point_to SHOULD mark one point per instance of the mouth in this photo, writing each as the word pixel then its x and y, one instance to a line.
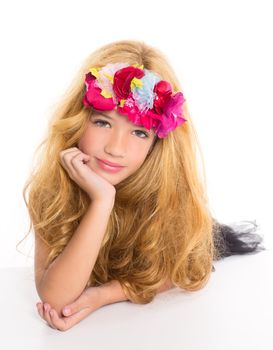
pixel 110 163
pixel 103 165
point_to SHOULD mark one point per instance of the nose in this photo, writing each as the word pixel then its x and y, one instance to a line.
pixel 116 145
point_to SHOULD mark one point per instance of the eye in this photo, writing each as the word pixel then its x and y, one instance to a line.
pixel 144 133
pixel 103 122
pixel 100 121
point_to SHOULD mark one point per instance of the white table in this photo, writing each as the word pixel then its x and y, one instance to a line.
pixel 234 311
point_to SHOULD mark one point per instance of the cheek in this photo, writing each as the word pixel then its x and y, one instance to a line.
pixel 79 144
pixel 87 141
pixel 82 145
pixel 138 157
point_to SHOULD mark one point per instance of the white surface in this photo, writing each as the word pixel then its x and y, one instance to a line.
pixel 234 311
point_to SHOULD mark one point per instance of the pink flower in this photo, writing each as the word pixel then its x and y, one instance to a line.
pixel 130 109
pixel 172 115
pixel 93 95
pixel 133 113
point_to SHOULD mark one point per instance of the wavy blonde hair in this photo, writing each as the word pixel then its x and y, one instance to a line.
pixel 162 228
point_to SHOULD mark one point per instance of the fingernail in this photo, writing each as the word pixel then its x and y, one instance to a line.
pixel 66 311
pixel 51 312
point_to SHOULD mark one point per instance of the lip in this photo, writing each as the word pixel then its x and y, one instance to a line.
pixel 109 168
pixel 110 163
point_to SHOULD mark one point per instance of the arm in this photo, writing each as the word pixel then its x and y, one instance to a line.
pixel 67 276
pixel 165 286
pixel 91 299
pixel 112 291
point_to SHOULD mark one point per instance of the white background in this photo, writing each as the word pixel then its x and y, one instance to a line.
pixel 221 52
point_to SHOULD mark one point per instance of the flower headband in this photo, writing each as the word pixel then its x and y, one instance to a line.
pixel 136 92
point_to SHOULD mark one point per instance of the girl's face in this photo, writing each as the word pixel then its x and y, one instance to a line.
pixel 113 137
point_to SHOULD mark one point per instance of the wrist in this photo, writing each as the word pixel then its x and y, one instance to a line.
pixel 165 286
pixel 104 204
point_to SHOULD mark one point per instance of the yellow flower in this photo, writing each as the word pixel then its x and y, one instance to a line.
pixel 121 103
pixel 135 83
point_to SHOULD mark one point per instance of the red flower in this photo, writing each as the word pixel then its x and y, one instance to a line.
pixel 163 91
pixel 122 81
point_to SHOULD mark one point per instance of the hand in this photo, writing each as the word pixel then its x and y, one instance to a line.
pixel 90 300
pixel 74 162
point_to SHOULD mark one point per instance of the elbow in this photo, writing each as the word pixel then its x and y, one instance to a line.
pixel 58 307
pixel 49 297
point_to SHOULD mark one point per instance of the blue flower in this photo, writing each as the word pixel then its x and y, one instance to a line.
pixel 144 95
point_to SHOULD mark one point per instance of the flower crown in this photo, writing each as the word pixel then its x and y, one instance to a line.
pixel 136 92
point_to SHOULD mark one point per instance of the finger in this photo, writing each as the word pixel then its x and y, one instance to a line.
pixel 40 310
pixel 59 323
pixel 67 311
pixel 67 164
pixel 56 320
pixel 47 316
pixel 76 305
pixel 65 156
pixel 78 159
pixel 65 323
pixel 67 167
pixel 69 151
pixel 70 309
pixel 76 317
pixel 71 162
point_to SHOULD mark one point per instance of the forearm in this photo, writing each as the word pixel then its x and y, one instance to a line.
pixel 112 291
pixel 68 275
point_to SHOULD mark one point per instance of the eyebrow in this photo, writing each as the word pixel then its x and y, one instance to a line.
pixel 108 117
pixel 105 115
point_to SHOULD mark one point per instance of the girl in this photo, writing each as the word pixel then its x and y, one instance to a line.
pixel 118 207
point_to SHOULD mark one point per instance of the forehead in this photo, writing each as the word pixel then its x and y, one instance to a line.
pixel 108 114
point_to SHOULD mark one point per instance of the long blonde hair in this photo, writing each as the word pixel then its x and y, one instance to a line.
pixel 162 228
